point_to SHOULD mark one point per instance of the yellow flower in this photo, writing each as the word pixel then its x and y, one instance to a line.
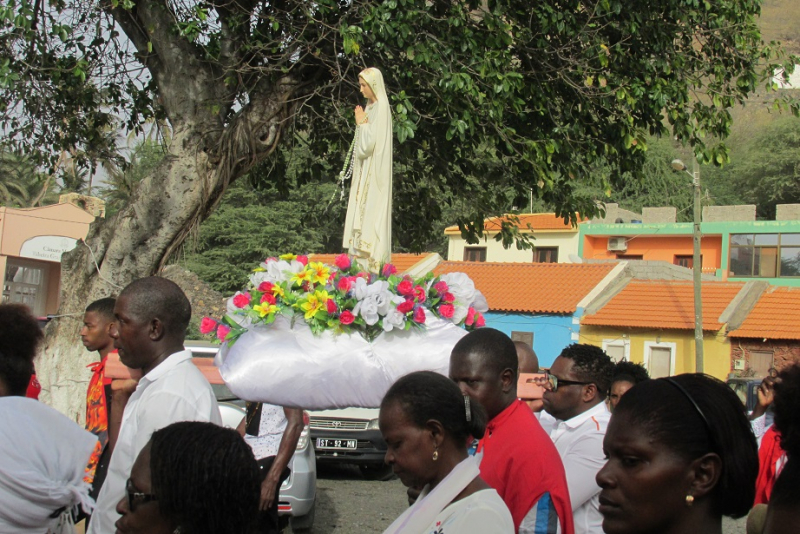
pixel 278 291
pixel 288 257
pixel 265 308
pixel 303 276
pixel 319 272
pixel 314 303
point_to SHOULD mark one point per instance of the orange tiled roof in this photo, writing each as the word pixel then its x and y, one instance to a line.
pixel 537 221
pixel 664 304
pixel 402 260
pixel 531 287
pixel 776 315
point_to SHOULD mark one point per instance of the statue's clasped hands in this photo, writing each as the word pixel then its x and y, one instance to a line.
pixel 361 115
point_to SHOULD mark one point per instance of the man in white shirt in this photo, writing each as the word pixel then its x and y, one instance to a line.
pixel 575 392
pixel 152 315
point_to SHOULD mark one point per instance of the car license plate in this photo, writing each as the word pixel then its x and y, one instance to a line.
pixel 326 443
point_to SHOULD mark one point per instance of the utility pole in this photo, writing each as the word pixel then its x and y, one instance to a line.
pixel 697 267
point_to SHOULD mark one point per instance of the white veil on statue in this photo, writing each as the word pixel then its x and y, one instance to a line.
pixel 368 226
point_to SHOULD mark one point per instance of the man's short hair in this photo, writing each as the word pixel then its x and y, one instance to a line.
pixel 156 297
pixel 493 346
pixel 526 353
pixel 103 307
pixel 590 364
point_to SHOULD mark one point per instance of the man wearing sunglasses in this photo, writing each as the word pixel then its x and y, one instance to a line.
pixel 575 389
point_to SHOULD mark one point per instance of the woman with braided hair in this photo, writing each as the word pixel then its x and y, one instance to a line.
pixel 191 478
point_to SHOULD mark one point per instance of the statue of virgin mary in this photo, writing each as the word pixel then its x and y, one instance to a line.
pixel 368 226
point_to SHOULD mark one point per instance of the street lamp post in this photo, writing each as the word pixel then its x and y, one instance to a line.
pixel 697 267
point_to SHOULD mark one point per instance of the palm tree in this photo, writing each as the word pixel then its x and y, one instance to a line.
pixel 22 185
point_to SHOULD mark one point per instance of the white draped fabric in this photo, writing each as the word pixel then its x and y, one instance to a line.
pixel 429 504
pixel 368 225
pixel 290 366
pixel 43 457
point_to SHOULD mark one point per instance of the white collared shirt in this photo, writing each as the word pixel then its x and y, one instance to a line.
pixel 175 390
pixel 580 443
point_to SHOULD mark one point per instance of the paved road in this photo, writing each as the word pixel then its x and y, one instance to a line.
pixel 346 503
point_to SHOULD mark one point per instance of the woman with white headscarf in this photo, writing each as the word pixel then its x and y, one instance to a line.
pixel 43 454
pixel 368 226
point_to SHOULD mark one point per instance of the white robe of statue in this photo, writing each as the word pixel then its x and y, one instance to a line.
pixel 368 226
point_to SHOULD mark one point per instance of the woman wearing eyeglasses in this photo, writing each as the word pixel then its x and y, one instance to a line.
pixel 191 478
pixel 681 456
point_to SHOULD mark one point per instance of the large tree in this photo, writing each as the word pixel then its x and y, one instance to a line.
pixel 546 90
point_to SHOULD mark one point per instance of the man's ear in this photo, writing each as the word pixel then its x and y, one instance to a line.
pixel 157 330
pixel 590 393
pixel 705 472
pixel 508 378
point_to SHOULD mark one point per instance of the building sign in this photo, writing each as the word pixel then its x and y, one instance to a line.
pixel 47 247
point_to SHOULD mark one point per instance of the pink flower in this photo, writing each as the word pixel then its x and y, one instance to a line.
pixel 343 262
pixel 470 316
pixel 271 258
pixel 222 331
pixel 265 286
pixel 480 322
pixel 345 283
pixel 440 287
pixel 419 315
pixel 207 325
pixel 240 300
pixel 447 311
pixel 331 306
pixel 405 307
pixel 419 293
pixel 347 317
pixel 302 259
pixel 448 298
pixel 405 288
pixel 268 297
pixel 389 270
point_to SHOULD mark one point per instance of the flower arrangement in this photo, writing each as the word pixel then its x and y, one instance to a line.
pixel 343 298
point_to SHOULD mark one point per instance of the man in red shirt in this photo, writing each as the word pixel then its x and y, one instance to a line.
pixel 519 459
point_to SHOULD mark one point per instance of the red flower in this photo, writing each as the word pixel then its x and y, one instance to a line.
pixel 419 293
pixel 268 297
pixel 448 298
pixel 389 270
pixel 241 300
pixel 345 283
pixel 343 262
pixel 331 306
pixel 480 322
pixel 346 317
pixel 405 307
pixel 470 316
pixel 447 311
pixel 405 288
pixel 265 286
pixel 419 315
pixel 207 325
pixel 302 259
pixel 440 287
pixel 222 331
pixel 271 258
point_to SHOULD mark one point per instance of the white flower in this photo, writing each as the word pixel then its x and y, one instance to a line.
pixel 463 289
pixel 362 290
pixel 368 309
pixel 393 319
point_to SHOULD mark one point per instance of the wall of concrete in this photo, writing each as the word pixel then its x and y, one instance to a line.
pixel 566 241
pixel 551 333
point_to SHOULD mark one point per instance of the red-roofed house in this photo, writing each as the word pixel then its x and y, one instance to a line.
pixel 770 334
pixel 555 240
pixel 538 303
pixel 652 322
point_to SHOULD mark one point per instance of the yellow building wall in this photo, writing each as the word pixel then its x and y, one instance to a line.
pixel 716 346
pixel 566 240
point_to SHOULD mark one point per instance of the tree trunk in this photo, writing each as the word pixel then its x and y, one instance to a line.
pixel 138 241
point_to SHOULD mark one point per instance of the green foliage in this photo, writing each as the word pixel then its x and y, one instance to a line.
pixel 22 184
pixel 490 103
pixel 767 172
pixel 251 225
